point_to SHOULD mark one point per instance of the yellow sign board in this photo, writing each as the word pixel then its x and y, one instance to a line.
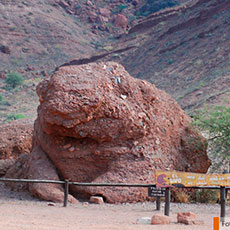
pixel 184 179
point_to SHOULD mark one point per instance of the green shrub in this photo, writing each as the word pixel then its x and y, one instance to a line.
pixel 182 195
pixel 14 79
pixel 214 121
pixel 206 196
pixel 13 117
pixel 1 97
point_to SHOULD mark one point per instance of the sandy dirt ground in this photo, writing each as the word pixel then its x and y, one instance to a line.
pixel 19 211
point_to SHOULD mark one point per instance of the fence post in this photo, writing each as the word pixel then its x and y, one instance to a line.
pixel 158 203
pixel 222 203
pixel 167 201
pixel 66 193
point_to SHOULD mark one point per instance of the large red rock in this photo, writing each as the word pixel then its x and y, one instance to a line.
pixel 98 124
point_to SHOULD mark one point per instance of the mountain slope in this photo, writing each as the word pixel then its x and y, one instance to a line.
pixel 184 50
pixel 40 33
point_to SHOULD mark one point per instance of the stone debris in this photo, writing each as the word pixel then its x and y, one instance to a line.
pixel 158 219
pixel 188 218
pixel 144 220
pixel 96 199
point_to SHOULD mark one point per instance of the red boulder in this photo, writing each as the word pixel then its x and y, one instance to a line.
pixel 98 124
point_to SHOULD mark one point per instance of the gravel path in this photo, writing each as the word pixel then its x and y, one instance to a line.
pixel 19 211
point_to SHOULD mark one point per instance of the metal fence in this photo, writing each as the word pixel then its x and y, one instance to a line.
pixel 66 183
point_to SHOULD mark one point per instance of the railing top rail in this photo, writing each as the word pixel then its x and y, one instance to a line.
pixel 31 181
pixel 97 184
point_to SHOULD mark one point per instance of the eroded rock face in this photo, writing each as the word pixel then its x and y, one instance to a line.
pixel 37 166
pixel 98 124
pixel 15 138
pixel 5 165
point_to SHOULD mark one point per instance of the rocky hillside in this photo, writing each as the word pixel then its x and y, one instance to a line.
pixel 36 36
pixel 40 33
pixel 183 49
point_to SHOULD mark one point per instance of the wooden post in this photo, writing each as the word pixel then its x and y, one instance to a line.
pixel 66 193
pixel 222 203
pixel 158 203
pixel 167 201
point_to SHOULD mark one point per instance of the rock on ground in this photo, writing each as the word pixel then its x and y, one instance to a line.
pixel 144 220
pixel 188 218
pixel 120 21
pixel 158 219
pixel 98 124
pixel 96 199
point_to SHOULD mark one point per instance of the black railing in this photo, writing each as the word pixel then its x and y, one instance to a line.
pixel 67 183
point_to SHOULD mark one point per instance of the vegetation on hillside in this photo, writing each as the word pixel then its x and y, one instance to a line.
pixel 152 6
pixel 13 117
pixel 14 79
pixel 215 122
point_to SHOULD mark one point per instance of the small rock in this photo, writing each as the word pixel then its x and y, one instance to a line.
pixel 188 218
pixel 123 96
pixel 86 203
pixel 96 199
pixel 120 21
pixel 67 146
pixel 51 204
pixel 71 149
pixel 160 219
pixel 144 220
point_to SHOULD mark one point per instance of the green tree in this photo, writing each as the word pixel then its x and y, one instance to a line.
pixel 215 124
pixel 14 79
